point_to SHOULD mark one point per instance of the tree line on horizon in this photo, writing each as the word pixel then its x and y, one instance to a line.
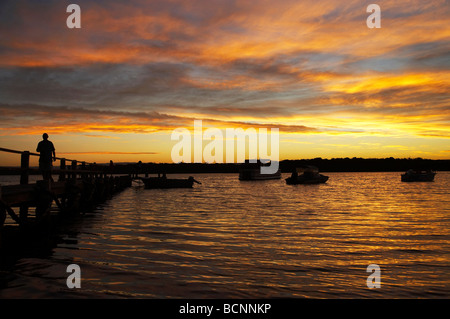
pixel 355 164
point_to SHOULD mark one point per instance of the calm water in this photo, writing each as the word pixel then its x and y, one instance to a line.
pixel 232 239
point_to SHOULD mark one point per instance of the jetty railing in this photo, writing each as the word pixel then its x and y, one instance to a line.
pixel 76 168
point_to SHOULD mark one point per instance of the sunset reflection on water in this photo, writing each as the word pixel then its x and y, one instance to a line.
pixel 227 238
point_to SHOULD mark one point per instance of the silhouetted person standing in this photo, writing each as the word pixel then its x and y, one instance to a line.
pixel 46 149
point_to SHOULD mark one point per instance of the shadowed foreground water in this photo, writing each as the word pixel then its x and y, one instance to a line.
pixel 232 239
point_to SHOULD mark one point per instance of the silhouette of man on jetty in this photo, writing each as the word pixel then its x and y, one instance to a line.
pixel 46 150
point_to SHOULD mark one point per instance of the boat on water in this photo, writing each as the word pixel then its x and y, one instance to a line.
pixel 164 182
pixel 309 175
pixel 418 176
pixel 252 172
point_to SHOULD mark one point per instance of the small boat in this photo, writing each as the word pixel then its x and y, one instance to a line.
pixel 252 172
pixel 310 175
pixel 418 176
pixel 164 182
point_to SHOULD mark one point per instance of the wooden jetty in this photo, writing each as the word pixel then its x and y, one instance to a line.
pixel 80 186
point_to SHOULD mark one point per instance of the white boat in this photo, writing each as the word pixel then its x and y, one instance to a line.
pixel 252 172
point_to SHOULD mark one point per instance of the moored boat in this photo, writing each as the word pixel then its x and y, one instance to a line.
pixel 164 182
pixel 252 172
pixel 310 175
pixel 418 176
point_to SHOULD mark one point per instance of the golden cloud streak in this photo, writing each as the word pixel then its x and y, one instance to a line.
pixel 376 82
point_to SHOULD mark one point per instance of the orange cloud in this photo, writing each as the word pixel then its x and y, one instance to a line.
pixel 143 33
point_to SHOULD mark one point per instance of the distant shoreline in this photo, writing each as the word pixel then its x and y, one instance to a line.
pixel 286 166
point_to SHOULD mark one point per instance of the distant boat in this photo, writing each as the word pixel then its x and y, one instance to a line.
pixel 310 175
pixel 418 176
pixel 252 172
pixel 164 182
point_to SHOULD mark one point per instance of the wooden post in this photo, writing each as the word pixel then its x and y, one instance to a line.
pixel 24 167
pixel 2 218
pixel 62 167
pixel 74 168
pixel 23 214
pixel 44 202
pixel 24 174
pixel 83 170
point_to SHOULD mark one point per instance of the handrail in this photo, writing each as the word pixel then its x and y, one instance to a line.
pixel 2 149
pixel 10 151
pixel 71 170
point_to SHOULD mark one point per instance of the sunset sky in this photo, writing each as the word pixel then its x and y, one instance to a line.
pixel 136 70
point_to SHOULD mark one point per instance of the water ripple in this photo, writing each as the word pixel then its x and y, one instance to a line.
pixel 227 238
